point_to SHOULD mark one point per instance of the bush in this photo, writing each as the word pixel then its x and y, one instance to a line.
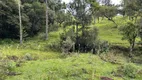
pixel 28 56
pixel 101 47
pixel 55 46
pixel 129 70
pixel 67 45
pixel 6 41
pixel 53 27
pixel 87 41
pixel 6 68
pixel 2 72
pixel 67 40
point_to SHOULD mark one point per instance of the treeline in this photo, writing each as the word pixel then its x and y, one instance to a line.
pixel 77 12
pixel 33 13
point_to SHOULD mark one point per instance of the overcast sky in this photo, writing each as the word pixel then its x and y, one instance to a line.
pixel 113 1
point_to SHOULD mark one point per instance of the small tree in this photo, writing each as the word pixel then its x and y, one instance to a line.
pixel 130 32
pixel 109 12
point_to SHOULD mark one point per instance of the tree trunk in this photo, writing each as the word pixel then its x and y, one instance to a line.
pixel 20 23
pixel 76 29
pixel 46 35
pixel 98 19
pixel 114 22
pixel 110 19
pixel 131 48
pixel 83 26
pixel 77 45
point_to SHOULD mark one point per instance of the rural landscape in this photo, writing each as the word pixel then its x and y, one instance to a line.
pixel 70 40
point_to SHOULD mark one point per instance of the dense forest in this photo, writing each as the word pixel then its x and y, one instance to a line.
pixel 79 40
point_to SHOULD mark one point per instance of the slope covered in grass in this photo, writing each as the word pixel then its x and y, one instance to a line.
pixel 45 64
pixel 76 67
pixel 109 32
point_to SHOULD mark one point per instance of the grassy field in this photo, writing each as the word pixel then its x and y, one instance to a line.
pixel 38 62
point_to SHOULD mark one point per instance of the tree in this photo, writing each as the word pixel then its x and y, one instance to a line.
pixel 61 17
pixel 9 22
pixel 104 9
pixel 33 17
pixel 81 12
pixel 109 12
pixel 130 32
pixel 46 35
pixel 94 9
pixel 20 23
pixel 35 12
pixel 132 8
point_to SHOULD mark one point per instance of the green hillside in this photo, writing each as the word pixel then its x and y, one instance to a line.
pixel 38 62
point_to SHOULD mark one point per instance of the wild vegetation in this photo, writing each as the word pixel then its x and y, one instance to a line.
pixel 80 40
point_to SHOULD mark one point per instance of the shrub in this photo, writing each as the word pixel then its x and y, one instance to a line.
pixel 67 40
pixel 6 41
pixel 129 70
pixel 28 57
pixel 67 45
pixel 53 27
pixel 87 41
pixel 2 72
pixel 6 68
pixel 101 47
pixel 55 46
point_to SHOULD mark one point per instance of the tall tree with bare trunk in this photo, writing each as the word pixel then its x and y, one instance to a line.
pixel 20 22
pixel 46 34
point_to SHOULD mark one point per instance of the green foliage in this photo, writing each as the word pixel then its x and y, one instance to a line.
pixel 28 57
pixel 9 24
pixel 108 11
pixel 36 14
pixel 101 47
pixel 77 67
pixel 140 31
pixel 88 40
pixel 6 68
pixel 67 45
pixel 81 12
pixel 130 70
pixel 33 17
pixel 55 46
pixel 2 71
pixel 129 32
pixel 132 9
